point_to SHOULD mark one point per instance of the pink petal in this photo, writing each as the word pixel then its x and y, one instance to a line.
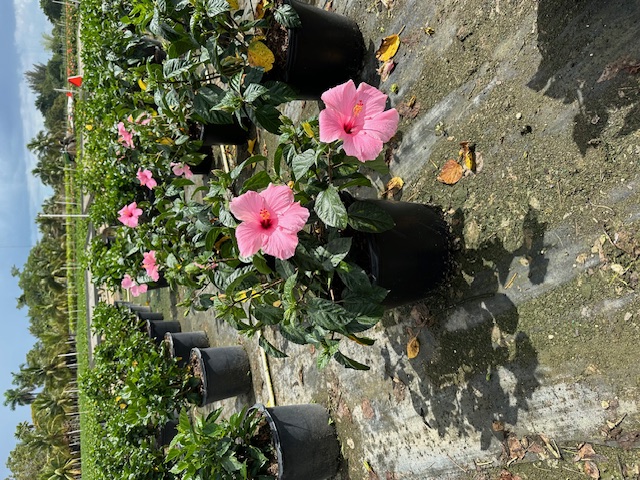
pixel 250 237
pixel 341 98
pixel 383 126
pixel 373 100
pixel 127 282
pixel 362 146
pixel 294 218
pixel 331 125
pixel 281 244
pixel 277 197
pixel 247 206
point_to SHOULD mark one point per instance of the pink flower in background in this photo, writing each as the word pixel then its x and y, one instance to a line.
pixel 150 265
pixel 138 290
pixel 127 282
pixel 129 215
pixel 146 178
pixel 134 289
pixel 358 118
pixel 181 169
pixel 271 221
pixel 124 136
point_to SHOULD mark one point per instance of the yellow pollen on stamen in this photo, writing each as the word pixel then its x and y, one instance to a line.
pixel 265 218
pixel 357 108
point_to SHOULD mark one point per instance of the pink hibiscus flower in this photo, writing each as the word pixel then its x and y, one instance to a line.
pixel 146 178
pixel 271 221
pixel 129 215
pixel 358 118
pixel 124 136
pixel 150 265
pixel 181 169
pixel 134 289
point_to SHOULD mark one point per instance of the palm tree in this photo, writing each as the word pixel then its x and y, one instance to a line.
pixel 18 396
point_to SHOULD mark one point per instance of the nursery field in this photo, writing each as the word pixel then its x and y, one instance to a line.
pixel 519 122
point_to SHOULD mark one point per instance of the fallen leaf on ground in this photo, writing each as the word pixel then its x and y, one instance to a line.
pixel 388 3
pixel 591 469
pixel 507 475
pixel 393 186
pixel 451 172
pixel 622 64
pixel 388 48
pixel 413 347
pixel 585 452
pixel 385 70
pixel 409 109
pixel 329 6
pixel 467 156
pixel 516 451
pixel 260 9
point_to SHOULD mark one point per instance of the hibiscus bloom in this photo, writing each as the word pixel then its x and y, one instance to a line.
pixel 150 265
pixel 134 289
pixel 146 178
pixel 358 118
pixel 271 221
pixel 124 136
pixel 181 169
pixel 129 215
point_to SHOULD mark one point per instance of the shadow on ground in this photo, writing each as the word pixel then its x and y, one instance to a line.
pixel 588 56
pixel 468 347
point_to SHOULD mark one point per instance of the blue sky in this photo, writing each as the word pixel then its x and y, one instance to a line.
pixel 21 26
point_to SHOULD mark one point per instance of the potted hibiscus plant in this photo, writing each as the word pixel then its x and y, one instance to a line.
pixel 292 249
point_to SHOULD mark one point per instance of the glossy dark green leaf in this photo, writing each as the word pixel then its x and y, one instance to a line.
pixel 330 208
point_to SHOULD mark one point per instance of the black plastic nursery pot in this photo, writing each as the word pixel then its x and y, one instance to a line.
pixel 158 328
pixel 166 433
pixel 410 260
pixel 133 307
pixel 179 344
pixel 149 315
pixel 304 440
pixel 224 372
pixel 326 50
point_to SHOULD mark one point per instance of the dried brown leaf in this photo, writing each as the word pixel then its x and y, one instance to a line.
pixel 516 451
pixel 591 469
pixel 413 347
pixel 585 452
pixel 393 186
pixel 467 156
pixel 451 172
pixel 507 475
pixel 409 109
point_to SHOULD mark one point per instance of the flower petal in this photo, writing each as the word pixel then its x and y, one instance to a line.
pixel 373 100
pixel 362 146
pixel 341 98
pixel 332 125
pixel 294 218
pixel 247 206
pixel 281 244
pixel 250 237
pixel 382 126
pixel 278 198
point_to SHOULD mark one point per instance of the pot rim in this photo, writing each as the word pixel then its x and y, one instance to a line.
pixel 275 435
pixel 195 352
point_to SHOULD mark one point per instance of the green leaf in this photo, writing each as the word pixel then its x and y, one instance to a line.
pixel 270 349
pixel 302 162
pixel 287 16
pixel 268 314
pixel 330 208
pixel 261 264
pixel 378 165
pixel 216 7
pixel 268 117
pixel 328 314
pixel 369 217
pixel 334 252
pixel 253 92
pixel 257 181
pixel 349 362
